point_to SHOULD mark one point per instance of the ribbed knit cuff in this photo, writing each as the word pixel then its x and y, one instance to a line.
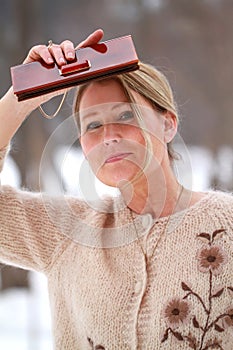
pixel 3 153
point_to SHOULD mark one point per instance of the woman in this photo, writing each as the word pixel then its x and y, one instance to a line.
pixel 152 270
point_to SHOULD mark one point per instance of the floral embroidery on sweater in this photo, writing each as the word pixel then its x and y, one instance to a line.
pixel 211 259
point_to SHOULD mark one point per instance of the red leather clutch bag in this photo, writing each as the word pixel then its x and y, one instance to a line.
pixel 100 60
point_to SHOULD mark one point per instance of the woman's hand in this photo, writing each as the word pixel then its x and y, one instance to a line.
pixel 12 112
pixel 61 53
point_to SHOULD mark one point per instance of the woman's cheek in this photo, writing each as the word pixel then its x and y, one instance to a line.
pixel 91 147
pixel 88 143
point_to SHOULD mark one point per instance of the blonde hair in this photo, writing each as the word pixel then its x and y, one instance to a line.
pixel 150 83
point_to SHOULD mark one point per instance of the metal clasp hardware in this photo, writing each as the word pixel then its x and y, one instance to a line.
pixel 74 67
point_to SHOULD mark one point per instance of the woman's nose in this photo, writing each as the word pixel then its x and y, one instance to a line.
pixel 111 134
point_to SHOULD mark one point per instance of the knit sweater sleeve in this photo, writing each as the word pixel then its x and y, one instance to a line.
pixel 29 238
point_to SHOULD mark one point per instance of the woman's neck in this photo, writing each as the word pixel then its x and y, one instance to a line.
pixel 156 193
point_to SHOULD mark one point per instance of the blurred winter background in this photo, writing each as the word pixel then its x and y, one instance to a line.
pixel 190 41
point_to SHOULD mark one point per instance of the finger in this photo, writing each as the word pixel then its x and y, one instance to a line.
pixel 68 49
pixel 92 39
pixel 57 53
pixel 37 53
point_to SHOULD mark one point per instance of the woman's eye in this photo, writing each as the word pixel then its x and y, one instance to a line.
pixel 93 126
pixel 127 115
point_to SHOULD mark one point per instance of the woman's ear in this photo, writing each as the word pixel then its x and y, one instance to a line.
pixel 170 126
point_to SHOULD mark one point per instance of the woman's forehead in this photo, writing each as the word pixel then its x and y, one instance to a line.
pixel 108 91
pixel 102 92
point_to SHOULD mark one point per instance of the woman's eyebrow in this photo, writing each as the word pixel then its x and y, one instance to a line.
pixel 94 113
pixel 120 104
pixel 87 115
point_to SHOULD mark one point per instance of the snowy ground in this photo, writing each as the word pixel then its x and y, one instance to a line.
pixel 24 315
pixel 25 322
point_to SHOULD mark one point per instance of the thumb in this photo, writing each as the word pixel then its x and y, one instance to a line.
pixel 92 39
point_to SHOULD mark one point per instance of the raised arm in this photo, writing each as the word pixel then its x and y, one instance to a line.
pixel 31 236
pixel 12 112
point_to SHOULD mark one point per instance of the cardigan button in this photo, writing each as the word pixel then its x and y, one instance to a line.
pixel 147 221
pixel 138 287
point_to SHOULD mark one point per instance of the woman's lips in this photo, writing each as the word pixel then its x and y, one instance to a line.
pixel 117 157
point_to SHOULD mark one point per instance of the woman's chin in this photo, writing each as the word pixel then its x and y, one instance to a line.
pixel 116 178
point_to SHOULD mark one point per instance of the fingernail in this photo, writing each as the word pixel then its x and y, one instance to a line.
pixel 61 60
pixel 70 55
pixel 50 60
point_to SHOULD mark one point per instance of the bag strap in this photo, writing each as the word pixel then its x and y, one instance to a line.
pixel 47 116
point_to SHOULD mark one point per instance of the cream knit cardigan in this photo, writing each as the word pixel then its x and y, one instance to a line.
pixel 103 294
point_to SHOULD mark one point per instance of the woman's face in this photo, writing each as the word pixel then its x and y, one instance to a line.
pixel 111 138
